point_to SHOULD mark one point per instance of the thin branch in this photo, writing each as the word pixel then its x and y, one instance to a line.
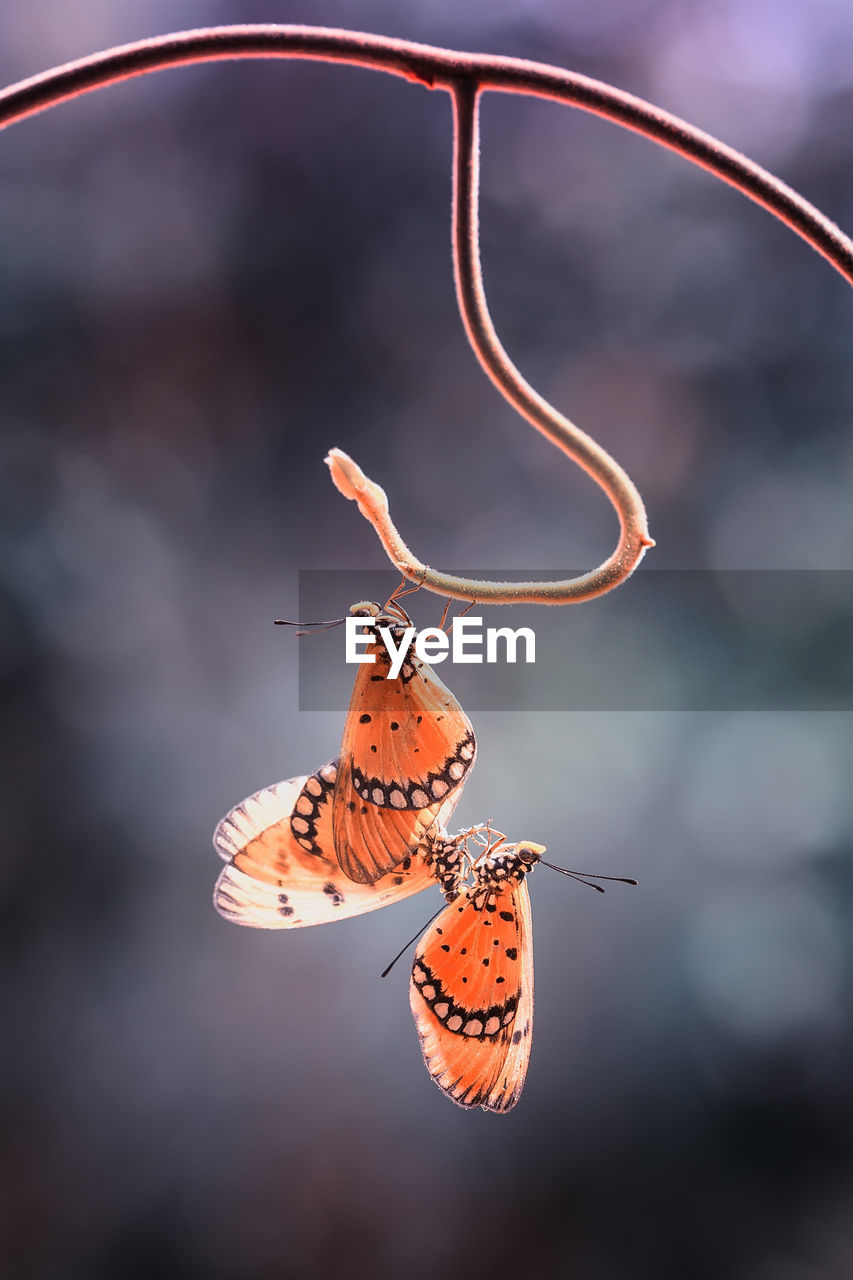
pixel 436 68
pixel 372 500
pixel 464 76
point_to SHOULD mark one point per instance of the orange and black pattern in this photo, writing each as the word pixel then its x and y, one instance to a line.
pixel 406 752
pixel 471 989
pixel 273 881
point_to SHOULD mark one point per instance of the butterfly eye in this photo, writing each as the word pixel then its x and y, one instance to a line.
pixel 529 853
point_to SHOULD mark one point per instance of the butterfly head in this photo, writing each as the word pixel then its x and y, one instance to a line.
pixel 528 853
pixel 393 616
pixel 508 863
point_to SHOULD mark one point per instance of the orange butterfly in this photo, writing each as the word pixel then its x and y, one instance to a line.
pixel 282 872
pixel 406 752
pixel 471 990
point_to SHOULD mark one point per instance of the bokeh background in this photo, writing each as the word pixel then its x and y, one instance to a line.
pixel 209 277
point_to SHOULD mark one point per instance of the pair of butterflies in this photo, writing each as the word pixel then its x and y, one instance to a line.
pixel 370 829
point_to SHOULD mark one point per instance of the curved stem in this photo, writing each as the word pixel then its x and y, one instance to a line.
pixel 464 76
pixel 634 536
pixel 372 500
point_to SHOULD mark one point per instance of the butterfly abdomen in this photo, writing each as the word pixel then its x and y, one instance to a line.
pixel 443 856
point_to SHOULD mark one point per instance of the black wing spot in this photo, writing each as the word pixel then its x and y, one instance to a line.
pixel 445 947
pixel 394 725
pixel 505 915
pixel 372 748
pixel 516 1037
pixel 512 953
pixel 485 962
pixel 332 891
pixel 365 719
pixel 419 719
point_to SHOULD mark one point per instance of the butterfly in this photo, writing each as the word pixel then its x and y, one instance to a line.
pixel 471 989
pixel 407 749
pixel 282 872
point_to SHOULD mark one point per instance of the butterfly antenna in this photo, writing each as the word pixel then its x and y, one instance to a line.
pixel 309 628
pixel 403 950
pixel 587 877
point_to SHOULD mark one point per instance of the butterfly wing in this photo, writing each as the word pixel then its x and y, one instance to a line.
pixel 407 748
pixel 471 995
pixel 273 880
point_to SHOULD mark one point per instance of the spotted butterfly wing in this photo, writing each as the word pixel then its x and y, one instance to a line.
pixel 282 872
pixel 407 749
pixel 471 991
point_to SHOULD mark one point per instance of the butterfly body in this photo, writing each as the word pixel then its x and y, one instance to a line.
pixel 471 991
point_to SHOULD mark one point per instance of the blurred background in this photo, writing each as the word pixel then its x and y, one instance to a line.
pixel 207 278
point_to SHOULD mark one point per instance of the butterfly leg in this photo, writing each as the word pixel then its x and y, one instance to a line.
pixel 461 614
pixel 403 589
